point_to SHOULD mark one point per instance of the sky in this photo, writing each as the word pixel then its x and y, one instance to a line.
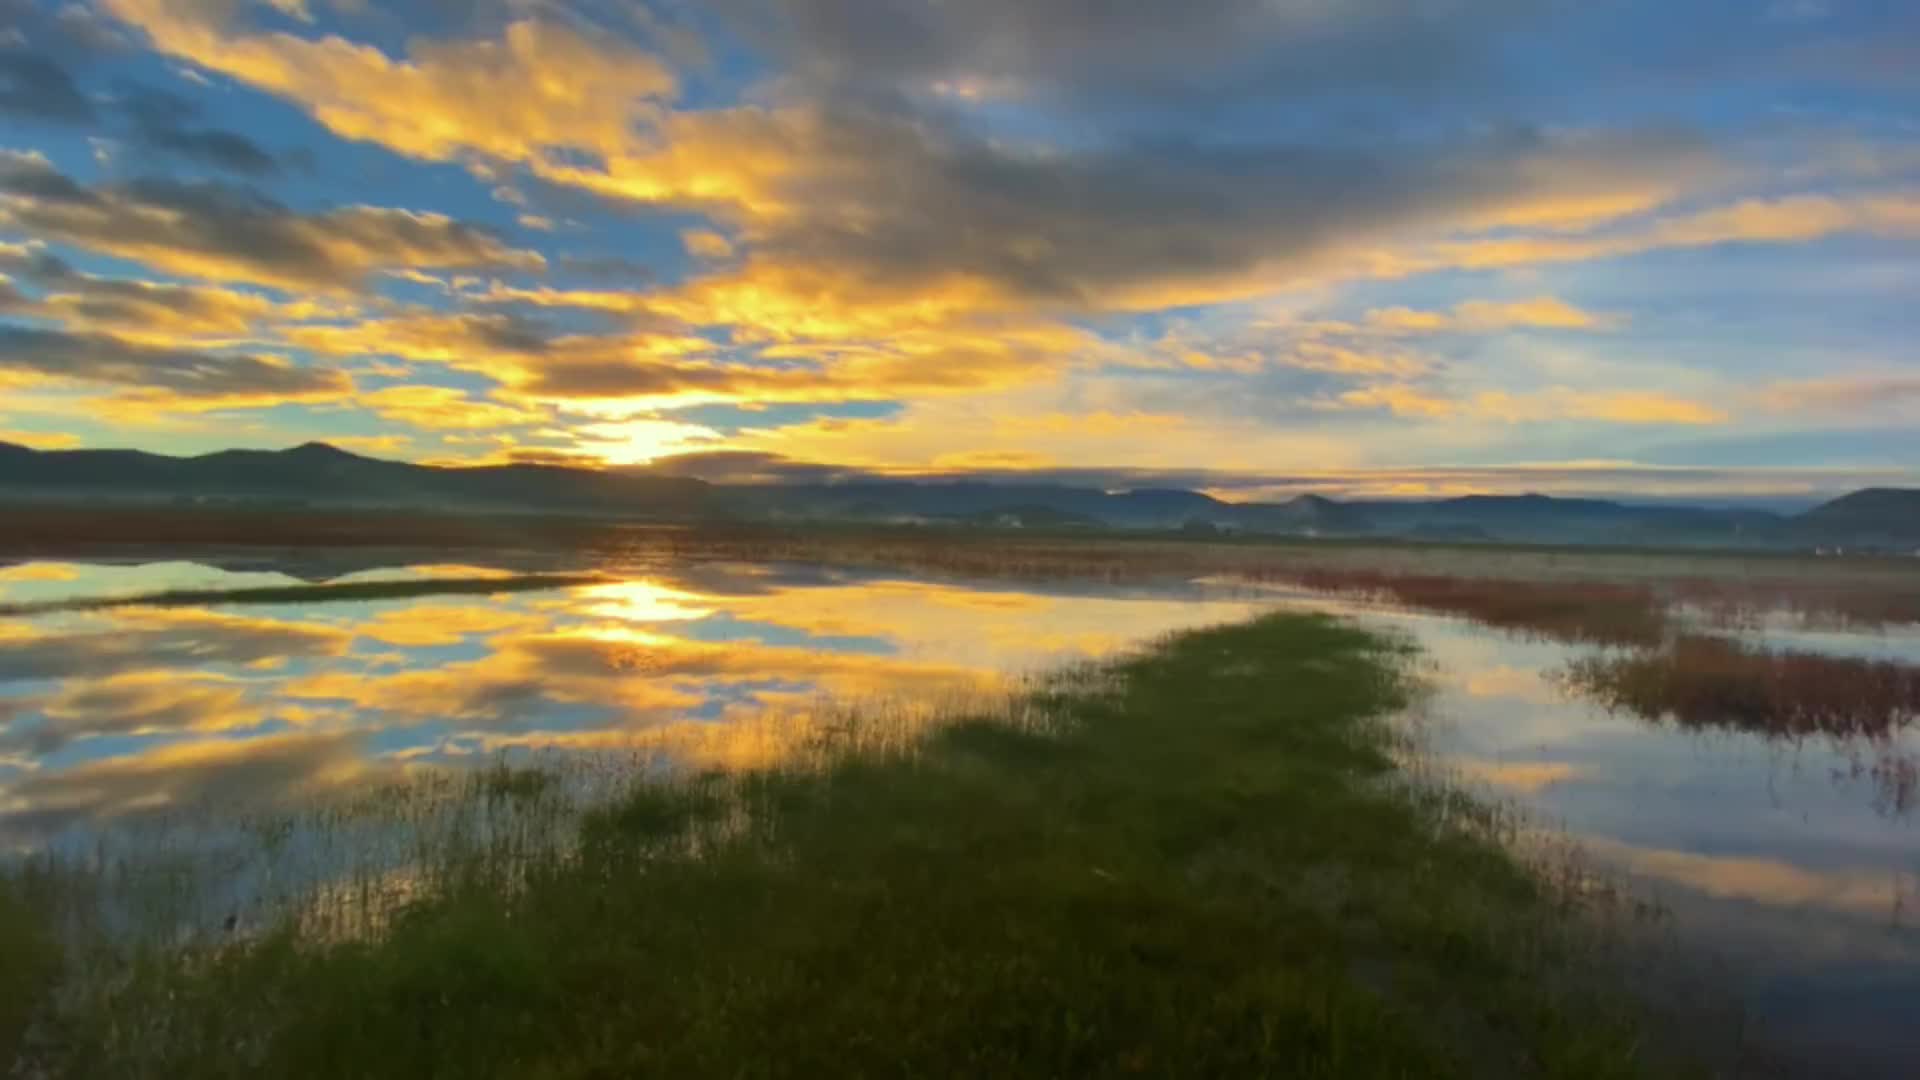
pixel 1359 247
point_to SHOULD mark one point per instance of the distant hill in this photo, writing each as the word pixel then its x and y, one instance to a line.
pixel 1871 515
pixel 319 475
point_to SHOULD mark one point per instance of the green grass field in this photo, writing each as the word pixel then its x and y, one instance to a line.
pixel 1201 860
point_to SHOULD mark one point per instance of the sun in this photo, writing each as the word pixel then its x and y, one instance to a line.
pixel 643 440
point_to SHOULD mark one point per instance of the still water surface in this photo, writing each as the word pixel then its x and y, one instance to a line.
pixel 1791 857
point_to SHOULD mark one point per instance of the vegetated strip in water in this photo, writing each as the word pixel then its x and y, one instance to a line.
pixel 1712 682
pixel 1569 611
pixel 1198 860
pixel 321 593
pixel 1703 683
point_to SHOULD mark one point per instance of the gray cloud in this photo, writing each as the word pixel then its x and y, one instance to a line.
pixel 1141 51
pixel 60 28
pixel 164 122
pixel 215 230
pixel 117 302
pixel 900 201
pixel 211 377
pixel 607 268
pixel 1307 60
pixel 34 87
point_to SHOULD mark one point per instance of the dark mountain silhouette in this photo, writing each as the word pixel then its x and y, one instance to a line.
pixel 319 475
pixel 1871 515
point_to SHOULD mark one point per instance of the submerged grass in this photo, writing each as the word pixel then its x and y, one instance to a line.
pixel 1198 861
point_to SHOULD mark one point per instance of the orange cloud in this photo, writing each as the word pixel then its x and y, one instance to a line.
pixel 1841 393
pixel 40 440
pixel 1794 219
pixel 1399 399
pixel 1618 407
pixel 1481 316
pixel 706 243
pixel 542 86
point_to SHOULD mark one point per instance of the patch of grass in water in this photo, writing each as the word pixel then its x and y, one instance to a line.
pixel 1195 862
pixel 1705 682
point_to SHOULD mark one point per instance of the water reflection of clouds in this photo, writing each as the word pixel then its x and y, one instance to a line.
pixel 95 646
pixel 219 775
pixel 43 581
pixel 1874 893
pixel 138 709
pixel 133 703
pixel 419 626
pixel 1523 777
pixel 1736 814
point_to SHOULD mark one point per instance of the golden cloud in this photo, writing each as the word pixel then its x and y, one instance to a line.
pixel 40 440
pixel 442 408
pixel 221 233
pixel 541 86
pixel 1794 219
pixel 1559 403
pixel 1482 316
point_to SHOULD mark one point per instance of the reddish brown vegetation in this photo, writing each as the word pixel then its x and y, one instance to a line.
pixel 1738 603
pixel 1711 682
pixel 1570 611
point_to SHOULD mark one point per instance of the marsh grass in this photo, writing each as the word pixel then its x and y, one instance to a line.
pixel 1197 860
pixel 29 965
pixel 1575 612
pixel 1705 682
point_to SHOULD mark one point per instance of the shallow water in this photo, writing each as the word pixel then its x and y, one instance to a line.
pixel 1789 864
pixel 128 712
pixel 1790 856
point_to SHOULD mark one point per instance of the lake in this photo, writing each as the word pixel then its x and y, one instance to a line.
pixel 1749 765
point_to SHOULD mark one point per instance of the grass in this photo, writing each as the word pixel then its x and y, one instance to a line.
pixel 1197 861
pixel 29 963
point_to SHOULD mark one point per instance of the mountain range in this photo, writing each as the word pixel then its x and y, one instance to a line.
pixel 322 476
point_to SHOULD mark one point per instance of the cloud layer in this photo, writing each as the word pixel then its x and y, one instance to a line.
pixel 905 233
